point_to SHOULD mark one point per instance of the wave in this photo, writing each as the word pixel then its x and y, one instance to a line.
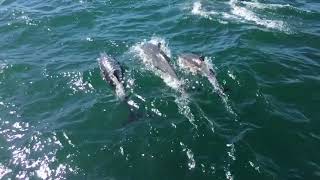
pixel 237 13
pixel 259 5
pixel 248 15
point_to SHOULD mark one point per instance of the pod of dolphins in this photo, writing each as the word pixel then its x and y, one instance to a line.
pixel 112 72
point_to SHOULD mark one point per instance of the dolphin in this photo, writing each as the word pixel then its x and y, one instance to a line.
pixel 112 73
pixel 197 65
pixel 158 59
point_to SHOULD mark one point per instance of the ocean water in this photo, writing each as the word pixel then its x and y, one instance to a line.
pixel 60 120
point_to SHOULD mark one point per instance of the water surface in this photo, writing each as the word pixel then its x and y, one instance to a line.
pixel 60 120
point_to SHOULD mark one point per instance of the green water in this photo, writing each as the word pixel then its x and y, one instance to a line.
pixel 60 120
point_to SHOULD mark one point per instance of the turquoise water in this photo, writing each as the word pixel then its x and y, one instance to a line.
pixel 60 120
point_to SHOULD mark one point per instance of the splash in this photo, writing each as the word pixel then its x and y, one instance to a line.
pixel 169 80
pixel 164 47
pixel 190 155
pixel 120 92
pixel 198 10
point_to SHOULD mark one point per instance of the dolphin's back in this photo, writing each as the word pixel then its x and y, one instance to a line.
pixel 109 66
pixel 158 59
pixel 194 62
pixel 190 57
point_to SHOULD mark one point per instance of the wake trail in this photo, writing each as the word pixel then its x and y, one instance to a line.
pixel 183 103
pixel 217 88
